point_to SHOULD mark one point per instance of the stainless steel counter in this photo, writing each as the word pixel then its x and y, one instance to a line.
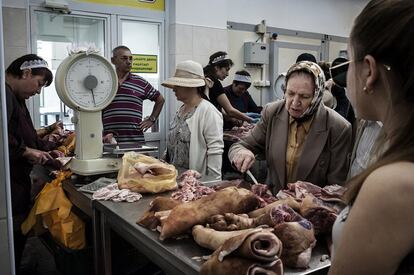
pixel 173 256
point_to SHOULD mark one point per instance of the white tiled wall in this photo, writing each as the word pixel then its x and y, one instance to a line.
pixel 15 34
pixel 195 42
pixel 192 43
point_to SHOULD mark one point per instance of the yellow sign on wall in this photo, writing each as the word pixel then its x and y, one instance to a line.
pixel 142 63
pixel 140 4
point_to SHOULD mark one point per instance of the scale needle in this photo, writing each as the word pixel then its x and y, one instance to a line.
pixel 93 98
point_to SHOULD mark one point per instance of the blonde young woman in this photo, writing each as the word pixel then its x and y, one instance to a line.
pixel 195 137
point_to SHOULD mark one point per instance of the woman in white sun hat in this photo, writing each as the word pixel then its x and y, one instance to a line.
pixel 195 138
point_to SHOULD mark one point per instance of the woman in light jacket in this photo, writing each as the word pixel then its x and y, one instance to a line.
pixel 195 137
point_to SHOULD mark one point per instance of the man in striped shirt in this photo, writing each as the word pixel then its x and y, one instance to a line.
pixel 123 117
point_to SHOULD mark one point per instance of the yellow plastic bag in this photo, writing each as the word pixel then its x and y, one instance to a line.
pixel 54 208
pixel 144 174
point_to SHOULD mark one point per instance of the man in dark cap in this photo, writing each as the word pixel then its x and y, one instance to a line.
pixel 306 57
pixel 343 106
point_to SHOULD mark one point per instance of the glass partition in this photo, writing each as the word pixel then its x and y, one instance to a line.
pixel 55 34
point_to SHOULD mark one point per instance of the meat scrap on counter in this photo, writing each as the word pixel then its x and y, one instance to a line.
pixel 283 227
pixel 319 205
pixel 149 220
pixel 65 144
pixel 320 213
pixel 295 232
pixel 189 173
pixel 237 265
pixel 297 236
pixel 113 193
pixel 239 183
pixel 264 194
pixel 190 188
pixel 249 251
pixel 300 189
pixel 256 243
pixel 56 134
pixel 184 216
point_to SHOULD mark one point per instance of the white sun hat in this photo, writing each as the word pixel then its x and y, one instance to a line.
pixel 187 74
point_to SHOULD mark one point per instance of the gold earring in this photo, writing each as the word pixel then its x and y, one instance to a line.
pixel 365 89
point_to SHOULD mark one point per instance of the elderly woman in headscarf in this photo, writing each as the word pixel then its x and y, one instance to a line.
pixel 299 137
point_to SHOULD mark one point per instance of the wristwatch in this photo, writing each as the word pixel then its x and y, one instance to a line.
pixel 152 118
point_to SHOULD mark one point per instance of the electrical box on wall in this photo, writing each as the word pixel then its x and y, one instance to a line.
pixel 256 53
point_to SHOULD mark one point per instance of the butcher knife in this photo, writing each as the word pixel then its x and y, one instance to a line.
pixel 252 177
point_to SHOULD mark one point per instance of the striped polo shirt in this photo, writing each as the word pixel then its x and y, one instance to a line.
pixel 124 114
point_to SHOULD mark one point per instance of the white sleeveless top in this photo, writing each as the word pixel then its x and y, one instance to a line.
pixel 407 265
pixel 337 229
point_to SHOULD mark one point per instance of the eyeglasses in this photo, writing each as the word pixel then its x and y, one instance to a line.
pixel 338 73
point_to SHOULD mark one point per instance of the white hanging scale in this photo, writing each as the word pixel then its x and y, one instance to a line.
pixel 87 83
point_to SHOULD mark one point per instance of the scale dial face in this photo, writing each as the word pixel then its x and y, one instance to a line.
pixel 86 82
pixel 278 86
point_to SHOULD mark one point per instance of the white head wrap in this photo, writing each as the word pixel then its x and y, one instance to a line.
pixel 242 78
pixel 31 64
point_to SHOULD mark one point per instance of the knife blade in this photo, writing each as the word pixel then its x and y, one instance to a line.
pixel 252 177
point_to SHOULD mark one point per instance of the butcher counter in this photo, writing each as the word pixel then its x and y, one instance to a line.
pixel 173 256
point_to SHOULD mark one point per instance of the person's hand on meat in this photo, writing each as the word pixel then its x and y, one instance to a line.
pixel 243 160
pixel 56 154
pixel 36 156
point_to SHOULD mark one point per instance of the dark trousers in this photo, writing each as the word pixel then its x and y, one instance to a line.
pixel 19 244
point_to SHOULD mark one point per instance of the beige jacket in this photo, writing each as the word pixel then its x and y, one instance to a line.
pixel 325 155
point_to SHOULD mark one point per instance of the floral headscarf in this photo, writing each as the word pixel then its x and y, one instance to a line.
pixel 319 78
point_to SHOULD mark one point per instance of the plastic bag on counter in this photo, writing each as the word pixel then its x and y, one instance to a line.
pixel 145 174
pixel 54 210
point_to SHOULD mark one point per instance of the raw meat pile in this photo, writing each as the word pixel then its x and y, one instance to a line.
pixel 264 194
pixel 64 140
pixel 190 188
pixel 234 222
pixel 299 189
pixel 113 193
pixel 319 205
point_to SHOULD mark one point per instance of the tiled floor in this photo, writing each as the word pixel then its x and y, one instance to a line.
pixel 36 259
